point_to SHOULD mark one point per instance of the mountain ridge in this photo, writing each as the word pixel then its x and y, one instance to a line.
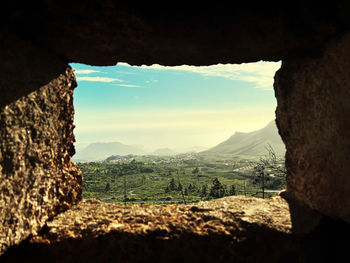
pixel 240 143
pixel 251 143
pixel 102 150
pixel 163 151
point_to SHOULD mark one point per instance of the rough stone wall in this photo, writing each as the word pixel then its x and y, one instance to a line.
pixel 231 229
pixel 38 38
pixel 104 32
pixel 37 178
pixel 313 95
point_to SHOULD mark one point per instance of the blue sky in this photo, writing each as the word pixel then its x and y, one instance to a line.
pixel 177 107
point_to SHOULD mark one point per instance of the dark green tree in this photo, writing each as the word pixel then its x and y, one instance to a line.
pixel 179 187
pixel 190 187
pixel 172 185
pixel 204 191
pixel 107 188
pixel 217 190
pixel 195 170
pixel 233 190
pixel 186 191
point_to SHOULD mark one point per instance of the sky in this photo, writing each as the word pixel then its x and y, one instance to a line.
pixel 176 107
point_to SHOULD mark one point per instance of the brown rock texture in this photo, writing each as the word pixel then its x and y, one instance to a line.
pixel 313 95
pixel 105 32
pixel 231 229
pixel 37 178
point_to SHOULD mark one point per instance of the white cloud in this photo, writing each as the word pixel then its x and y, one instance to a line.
pixel 85 71
pixel 125 72
pixel 149 81
pixel 98 79
pixel 261 73
pixel 127 85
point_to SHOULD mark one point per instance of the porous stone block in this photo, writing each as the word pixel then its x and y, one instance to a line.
pixel 231 229
pixel 37 178
pixel 313 94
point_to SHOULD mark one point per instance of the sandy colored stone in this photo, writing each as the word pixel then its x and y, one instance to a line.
pixel 223 215
pixel 239 229
pixel 37 178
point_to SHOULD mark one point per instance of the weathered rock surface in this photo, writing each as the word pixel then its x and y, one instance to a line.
pixel 37 178
pixel 39 38
pixel 231 229
pixel 105 32
pixel 313 95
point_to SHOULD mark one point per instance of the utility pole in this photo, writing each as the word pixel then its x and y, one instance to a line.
pixel 245 193
pixel 263 184
pixel 125 196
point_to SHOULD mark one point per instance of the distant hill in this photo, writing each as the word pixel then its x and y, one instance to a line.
pixel 251 143
pixel 101 150
pixel 164 152
pixel 196 149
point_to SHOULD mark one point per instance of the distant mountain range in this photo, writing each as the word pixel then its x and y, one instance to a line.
pixel 168 151
pixel 164 151
pixel 251 143
pixel 196 149
pixel 101 150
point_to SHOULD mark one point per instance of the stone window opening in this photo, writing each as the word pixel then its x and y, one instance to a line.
pixel 121 111
pixel 42 217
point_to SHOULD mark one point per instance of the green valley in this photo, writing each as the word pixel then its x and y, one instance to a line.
pixel 183 178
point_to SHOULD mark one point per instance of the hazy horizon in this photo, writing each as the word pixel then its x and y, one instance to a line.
pixel 172 107
pixel 149 149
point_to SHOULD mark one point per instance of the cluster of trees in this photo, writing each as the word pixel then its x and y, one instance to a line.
pixel 216 190
pixel 220 190
pixel 115 169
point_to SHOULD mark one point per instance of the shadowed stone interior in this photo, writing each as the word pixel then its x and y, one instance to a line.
pixel 40 38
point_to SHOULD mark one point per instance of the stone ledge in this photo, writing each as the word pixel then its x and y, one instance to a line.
pixel 242 229
pixel 225 215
